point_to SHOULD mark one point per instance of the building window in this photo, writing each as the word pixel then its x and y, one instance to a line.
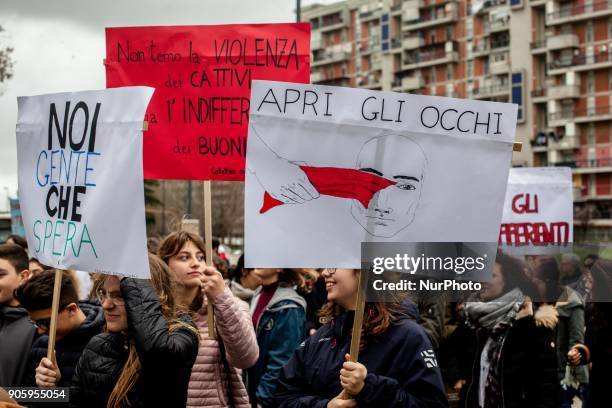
pixel 610 29
pixel 610 80
pixel 449 72
pixel 470 69
pixel 449 33
pixel 589 31
pixel 517 94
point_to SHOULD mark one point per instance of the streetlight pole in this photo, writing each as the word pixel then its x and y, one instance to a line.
pixel 298 11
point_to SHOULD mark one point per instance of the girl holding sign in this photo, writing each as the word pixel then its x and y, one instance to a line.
pixel 215 377
pixel 145 341
pixel 397 366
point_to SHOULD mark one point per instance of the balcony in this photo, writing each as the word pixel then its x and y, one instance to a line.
pixel 580 62
pixel 558 42
pixel 551 140
pixel 594 114
pixel 484 48
pixel 536 3
pixel 429 58
pixel 560 118
pixel 496 25
pixel 565 143
pixel 499 67
pixel 329 57
pixel 368 47
pixel 538 95
pixel 413 42
pixel 493 91
pixel 332 24
pixel 370 15
pixel 563 92
pixel 431 19
pixel 412 83
pixel 316 77
pixel 538 47
pixel 601 165
pixel 577 12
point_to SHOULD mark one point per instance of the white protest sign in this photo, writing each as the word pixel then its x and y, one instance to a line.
pixel 80 179
pixel 330 167
pixel 538 209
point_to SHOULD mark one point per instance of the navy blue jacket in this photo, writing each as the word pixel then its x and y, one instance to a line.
pixel 69 348
pixel 402 367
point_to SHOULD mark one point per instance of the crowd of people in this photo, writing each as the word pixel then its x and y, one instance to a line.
pixel 537 335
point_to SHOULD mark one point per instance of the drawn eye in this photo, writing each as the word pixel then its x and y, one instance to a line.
pixel 406 187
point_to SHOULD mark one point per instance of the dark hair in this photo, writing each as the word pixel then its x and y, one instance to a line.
pixel 15 255
pixel 174 242
pixel 37 292
pixel 236 271
pixel 513 272
pixel 18 240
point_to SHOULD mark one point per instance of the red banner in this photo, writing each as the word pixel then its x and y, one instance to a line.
pixel 202 74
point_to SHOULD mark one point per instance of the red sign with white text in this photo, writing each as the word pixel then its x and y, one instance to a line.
pixel 198 117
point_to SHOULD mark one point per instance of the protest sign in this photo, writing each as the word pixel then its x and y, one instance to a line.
pixel 329 168
pixel 202 75
pixel 80 179
pixel 538 209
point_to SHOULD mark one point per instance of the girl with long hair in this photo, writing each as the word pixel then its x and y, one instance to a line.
pixel 215 379
pixel 397 366
pixel 146 337
pixel 504 353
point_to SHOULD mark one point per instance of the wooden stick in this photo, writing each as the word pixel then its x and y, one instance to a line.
pixel 57 287
pixel 358 322
pixel 209 256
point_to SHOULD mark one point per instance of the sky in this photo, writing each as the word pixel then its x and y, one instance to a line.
pixel 59 47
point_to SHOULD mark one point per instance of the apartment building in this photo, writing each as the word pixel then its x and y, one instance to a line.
pixel 550 57
pixel 572 100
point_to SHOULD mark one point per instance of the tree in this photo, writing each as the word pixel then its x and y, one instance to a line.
pixel 151 200
pixel 6 63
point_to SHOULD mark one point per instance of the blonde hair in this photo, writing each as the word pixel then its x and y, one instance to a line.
pixel 163 283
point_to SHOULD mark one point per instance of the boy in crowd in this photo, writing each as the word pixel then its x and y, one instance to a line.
pixel 16 332
pixel 77 323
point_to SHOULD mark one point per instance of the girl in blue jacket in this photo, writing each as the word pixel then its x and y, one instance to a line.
pixel 397 366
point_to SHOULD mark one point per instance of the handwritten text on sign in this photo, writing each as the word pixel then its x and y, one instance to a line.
pixel 202 75
pixel 538 208
pixel 80 174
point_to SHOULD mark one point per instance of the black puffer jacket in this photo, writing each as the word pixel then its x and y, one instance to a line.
pixel 16 335
pixel 166 357
pixel 528 361
pixel 401 364
pixel 69 348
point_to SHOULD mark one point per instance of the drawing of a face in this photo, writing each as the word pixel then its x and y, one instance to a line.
pixel 401 160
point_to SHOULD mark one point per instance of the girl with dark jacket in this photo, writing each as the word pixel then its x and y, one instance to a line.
pixel 397 366
pixel 145 358
pixel 504 354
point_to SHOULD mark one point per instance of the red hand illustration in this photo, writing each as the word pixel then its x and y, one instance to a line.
pixel 338 182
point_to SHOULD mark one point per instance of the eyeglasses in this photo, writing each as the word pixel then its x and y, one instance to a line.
pixel 115 297
pixel 42 324
pixel 330 271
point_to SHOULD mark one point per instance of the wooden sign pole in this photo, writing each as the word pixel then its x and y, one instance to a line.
pixel 209 255
pixel 357 323
pixel 57 287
